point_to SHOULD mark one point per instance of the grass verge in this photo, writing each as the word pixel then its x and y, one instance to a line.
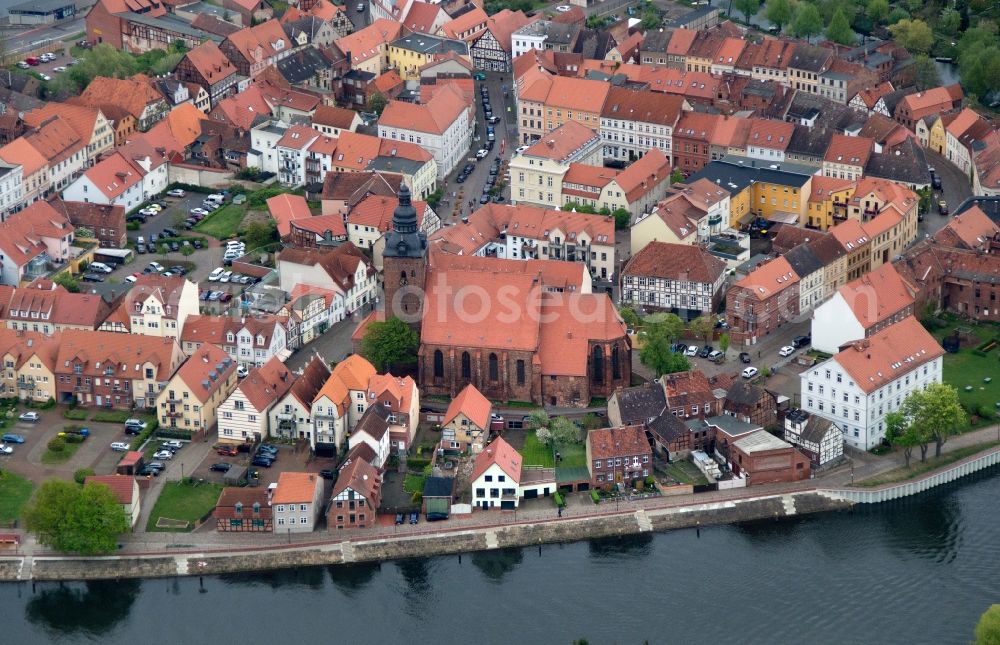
pixel 918 468
pixel 112 416
pixel 76 415
pixel 50 457
pixel 184 501
pixel 685 472
pixel 15 491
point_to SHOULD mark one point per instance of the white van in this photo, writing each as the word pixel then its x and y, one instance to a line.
pixel 216 274
pixel 217 198
pixel 140 240
pixel 100 266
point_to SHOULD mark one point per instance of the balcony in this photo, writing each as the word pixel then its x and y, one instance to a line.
pixel 174 414
pixel 83 388
pixel 26 385
pixel 715 220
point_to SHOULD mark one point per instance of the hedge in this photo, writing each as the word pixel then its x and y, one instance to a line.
pixel 416 464
pixel 174 434
pixel 559 499
pixel 595 496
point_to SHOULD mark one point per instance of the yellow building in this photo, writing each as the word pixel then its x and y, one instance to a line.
pixel 28 365
pixel 191 398
pixel 409 53
pixel 828 201
pixel 938 137
pixel 546 102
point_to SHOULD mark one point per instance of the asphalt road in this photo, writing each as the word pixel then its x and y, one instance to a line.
pixel 955 188
pixel 17 41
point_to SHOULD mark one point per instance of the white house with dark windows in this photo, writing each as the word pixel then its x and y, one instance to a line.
pixel 496 477
pixel 817 437
pixel 858 386
pixel 681 278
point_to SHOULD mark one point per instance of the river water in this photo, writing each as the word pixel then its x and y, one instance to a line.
pixel 916 571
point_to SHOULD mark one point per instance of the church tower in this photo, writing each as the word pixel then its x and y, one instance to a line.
pixel 404 263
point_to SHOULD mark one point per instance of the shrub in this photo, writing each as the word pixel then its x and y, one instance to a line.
pixel 76 415
pixel 650 481
pixel 82 474
pixel 428 470
pixel 558 498
pixel 57 444
pixel 416 464
pixel 417 497
pixel 595 496
pixel 73 438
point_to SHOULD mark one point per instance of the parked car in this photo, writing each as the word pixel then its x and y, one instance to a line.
pixel 242 371
pixel 460 179
pixel 484 198
pixel 6 450
pixel 175 192
pixel 262 461
pixel 131 279
pixel 146 471
pixel 706 351
pixel 436 517
pixel 943 207
pixel 414 517
pixel 802 341
pixel 173 444
pixel 326 473
pixel 692 350
pixel 163 454
pixel 140 248
pixel 935 182
pixel 92 277
pixel 787 350
pixel 221 467
pixel 198 211
pixel 399 518
pixel 716 356
pixel 169 232
pixel 744 357
pixel 10 437
pixel 481 153
pixel 29 416
pixel 119 446
pixel 80 432
pixel 156 266
pixel 227 451
pixel 157 465
pixel 750 372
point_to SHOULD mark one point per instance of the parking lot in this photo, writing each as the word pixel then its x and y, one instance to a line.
pixel 290 458
pixel 61 62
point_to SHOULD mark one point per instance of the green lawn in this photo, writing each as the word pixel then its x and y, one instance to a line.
pixel 965 369
pixel 111 416
pixel 183 501
pixel 536 453
pixel 573 455
pixel 77 414
pixel 414 483
pixel 49 457
pixel 918 468
pixel 685 472
pixel 15 491
pixel 222 223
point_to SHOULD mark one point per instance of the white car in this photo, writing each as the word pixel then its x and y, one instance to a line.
pixel 29 416
pixel 481 153
pixel 5 449
pixel 163 454
pixel 750 372
pixel 787 350
pixel 172 445
pixel 59 69
pixel 692 350
pixel 131 279
pixel 216 274
pixel 23 65
pixel 45 77
pixel 156 266
pixel 198 211
pixel 225 277
pixel 175 192
pixel 563 8
pixel 242 371
pixel 521 149
pixel 119 446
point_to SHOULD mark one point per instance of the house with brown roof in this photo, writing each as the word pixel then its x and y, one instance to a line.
pixel 913 107
pixel 537 172
pixel 762 458
pixel 64 150
pixel 155 306
pixel 618 456
pixel 545 102
pixel 356 495
pixel 35 180
pixel 681 278
pixel 46 307
pixel 339 404
pixel 39 234
pixel 344 268
pixel 762 302
pixel 249 341
pixel 846 157
pixel 30 360
pixel 125 490
pixel 871 377
pixel 250 12
pixel 443 126
pixel 372 430
pixel 208 67
pixel 120 371
pixel 291 415
pixel 862 308
pixel 285 209
pixel 751 403
pixel 369 221
pixel 971 229
pixel 190 399
pixel 243 510
pixel 106 224
pixel 466 423
pixel 496 477
pixel 491 48
pixel 343 190
pixel 627 111
pixel 243 416
pixel 331 120
pixel 89 123
pixel 134 94
pixel 400 397
pixel 367 48
pixel 253 49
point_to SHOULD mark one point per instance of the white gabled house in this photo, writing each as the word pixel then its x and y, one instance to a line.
pixel 373 430
pixel 291 416
pixel 244 414
pixel 496 477
pixel 340 403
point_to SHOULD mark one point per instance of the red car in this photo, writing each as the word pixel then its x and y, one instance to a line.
pixel 227 451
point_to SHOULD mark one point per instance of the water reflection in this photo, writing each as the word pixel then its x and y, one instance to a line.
pixel 929 530
pixel 632 546
pixel 91 608
pixel 352 578
pixel 308 577
pixel 497 564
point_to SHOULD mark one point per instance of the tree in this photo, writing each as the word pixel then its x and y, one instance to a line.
pixel 702 326
pixel 67 281
pixel 748 8
pixel 897 14
pixel 900 433
pixel 544 435
pixel 925 73
pixel 915 35
pixel 81 474
pixel 877 10
pixel 657 352
pixel 988 627
pixel 950 21
pixel 631 318
pixel 724 343
pixel 622 218
pixel 779 12
pixel 539 419
pixel 651 18
pixel 839 30
pixel 259 234
pixel 676 176
pixel 389 343
pixel 377 103
pixel 564 431
pixel 807 21
pixel 72 519
pixel 979 60
pixel 935 414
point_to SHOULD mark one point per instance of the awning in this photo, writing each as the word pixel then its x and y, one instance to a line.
pixel 747 218
pixel 780 217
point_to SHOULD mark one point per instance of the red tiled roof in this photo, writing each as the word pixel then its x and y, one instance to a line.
pixel 210 62
pixel 473 405
pixel 361 477
pixel 202 374
pixel 266 384
pixel 770 278
pixel 122 487
pixel 502 454
pixel 296 488
pixel 877 295
pixel 852 151
pixel 617 442
pixel 683 262
pixel 888 354
pixel 563 142
pixel 286 208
